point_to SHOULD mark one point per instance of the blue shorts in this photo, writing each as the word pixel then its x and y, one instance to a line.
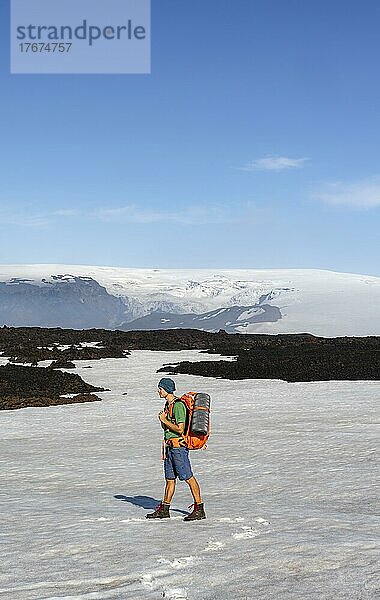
pixel 177 464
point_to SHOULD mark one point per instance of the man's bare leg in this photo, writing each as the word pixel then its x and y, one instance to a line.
pixel 162 510
pixel 195 490
pixel 169 490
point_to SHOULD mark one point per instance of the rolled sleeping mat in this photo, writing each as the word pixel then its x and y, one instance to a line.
pixel 201 414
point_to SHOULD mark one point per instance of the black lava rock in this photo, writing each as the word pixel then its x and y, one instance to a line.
pixel 28 386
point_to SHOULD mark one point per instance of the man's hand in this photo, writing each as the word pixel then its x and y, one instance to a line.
pixel 162 417
pixel 165 421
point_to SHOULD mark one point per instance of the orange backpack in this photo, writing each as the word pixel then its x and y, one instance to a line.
pixel 195 436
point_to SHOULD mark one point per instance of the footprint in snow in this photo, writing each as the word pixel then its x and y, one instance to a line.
pixel 177 563
pixel 175 594
pixel 262 521
pixel 149 580
pixel 213 545
pixel 246 533
pixel 229 520
pixel 153 579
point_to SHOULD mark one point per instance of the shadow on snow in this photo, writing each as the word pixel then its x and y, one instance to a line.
pixel 146 502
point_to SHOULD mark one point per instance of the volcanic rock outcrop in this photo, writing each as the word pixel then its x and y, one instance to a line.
pixel 21 387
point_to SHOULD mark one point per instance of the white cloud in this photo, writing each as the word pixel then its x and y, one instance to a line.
pixel 25 220
pixel 128 214
pixel 66 212
pixel 36 220
pixel 190 215
pixel 362 194
pixel 274 163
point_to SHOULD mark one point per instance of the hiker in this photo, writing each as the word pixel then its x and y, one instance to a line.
pixel 176 454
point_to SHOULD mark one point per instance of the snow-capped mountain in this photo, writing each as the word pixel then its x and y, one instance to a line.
pixel 320 302
pixel 236 318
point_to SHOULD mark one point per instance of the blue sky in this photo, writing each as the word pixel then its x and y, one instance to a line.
pixel 254 143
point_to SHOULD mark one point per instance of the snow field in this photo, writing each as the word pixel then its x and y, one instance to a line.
pixel 288 483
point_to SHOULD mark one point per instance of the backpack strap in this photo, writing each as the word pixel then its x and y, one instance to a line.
pixel 170 407
pixel 187 420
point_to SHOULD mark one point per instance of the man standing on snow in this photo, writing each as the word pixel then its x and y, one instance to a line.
pixel 176 461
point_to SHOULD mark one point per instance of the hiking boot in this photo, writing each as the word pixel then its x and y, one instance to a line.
pixel 197 514
pixel 161 512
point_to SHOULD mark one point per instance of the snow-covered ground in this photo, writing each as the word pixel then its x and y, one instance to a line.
pixel 288 484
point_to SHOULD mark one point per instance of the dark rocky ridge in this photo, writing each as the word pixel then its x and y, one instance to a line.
pixel 16 402
pixel 303 361
pixel 41 386
pixel 61 364
pixel 23 342
pixel 292 357
pixel 32 344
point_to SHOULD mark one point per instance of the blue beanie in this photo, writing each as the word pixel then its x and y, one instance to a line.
pixel 167 384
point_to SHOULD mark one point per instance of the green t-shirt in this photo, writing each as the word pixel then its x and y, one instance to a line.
pixel 179 416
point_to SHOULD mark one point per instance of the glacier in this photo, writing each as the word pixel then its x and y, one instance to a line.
pixel 320 302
